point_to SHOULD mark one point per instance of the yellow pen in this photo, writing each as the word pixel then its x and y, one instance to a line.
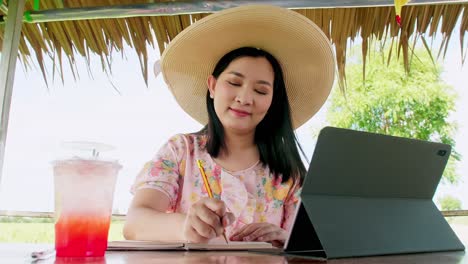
pixel 208 189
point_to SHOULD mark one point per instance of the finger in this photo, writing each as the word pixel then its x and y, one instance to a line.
pixel 271 236
pixel 210 218
pixel 245 231
pixel 278 243
pixel 228 219
pixel 193 236
pixel 262 231
pixel 236 235
pixel 202 228
pixel 277 235
pixel 216 206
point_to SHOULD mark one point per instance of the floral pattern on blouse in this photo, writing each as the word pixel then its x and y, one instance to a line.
pixel 252 195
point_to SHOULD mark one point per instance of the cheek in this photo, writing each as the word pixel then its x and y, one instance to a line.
pixel 264 105
pixel 222 100
pixel 224 93
pixel 217 105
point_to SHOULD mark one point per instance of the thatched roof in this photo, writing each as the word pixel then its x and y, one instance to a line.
pixel 105 37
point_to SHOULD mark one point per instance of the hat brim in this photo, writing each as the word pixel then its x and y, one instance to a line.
pixel 303 51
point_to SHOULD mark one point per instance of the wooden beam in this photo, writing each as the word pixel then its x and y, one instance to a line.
pixel 122 216
pixel 44 214
pixel 455 213
pixel 200 6
pixel 11 40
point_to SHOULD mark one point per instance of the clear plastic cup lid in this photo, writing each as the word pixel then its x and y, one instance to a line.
pixel 88 150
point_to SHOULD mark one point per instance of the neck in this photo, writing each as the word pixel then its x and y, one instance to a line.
pixel 237 143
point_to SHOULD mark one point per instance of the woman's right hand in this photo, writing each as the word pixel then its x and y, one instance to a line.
pixel 206 219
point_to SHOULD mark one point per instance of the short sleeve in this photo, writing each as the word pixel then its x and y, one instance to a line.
pixel 290 204
pixel 163 171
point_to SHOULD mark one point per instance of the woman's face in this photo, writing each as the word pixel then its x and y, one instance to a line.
pixel 243 93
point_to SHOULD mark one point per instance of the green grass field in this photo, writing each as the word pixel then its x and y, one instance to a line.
pixel 34 231
pixel 43 232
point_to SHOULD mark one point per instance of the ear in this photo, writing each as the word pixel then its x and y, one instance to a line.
pixel 211 82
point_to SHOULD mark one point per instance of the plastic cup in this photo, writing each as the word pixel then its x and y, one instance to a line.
pixel 84 191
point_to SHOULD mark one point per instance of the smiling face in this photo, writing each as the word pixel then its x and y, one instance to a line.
pixel 243 93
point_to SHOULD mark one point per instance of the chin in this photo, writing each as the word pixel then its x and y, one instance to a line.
pixel 240 128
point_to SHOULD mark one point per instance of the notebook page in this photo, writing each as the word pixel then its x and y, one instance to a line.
pixel 233 245
pixel 144 245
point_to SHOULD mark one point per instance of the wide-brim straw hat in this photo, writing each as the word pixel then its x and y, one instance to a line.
pixel 302 49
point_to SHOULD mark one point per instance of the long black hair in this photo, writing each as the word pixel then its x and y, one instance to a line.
pixel 274 135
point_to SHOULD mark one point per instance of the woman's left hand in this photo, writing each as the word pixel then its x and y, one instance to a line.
pixel 265 232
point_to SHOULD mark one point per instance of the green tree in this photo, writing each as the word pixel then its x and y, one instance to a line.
pixel 449 202
pixel 390 101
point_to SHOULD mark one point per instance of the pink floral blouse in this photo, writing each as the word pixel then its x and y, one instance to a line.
pixel 252 195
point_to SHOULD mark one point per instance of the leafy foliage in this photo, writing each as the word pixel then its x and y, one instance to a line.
pixel 449 202
pixel 389 101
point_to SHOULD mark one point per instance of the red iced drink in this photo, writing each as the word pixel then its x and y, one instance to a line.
pixel 84 191
pixel 81 235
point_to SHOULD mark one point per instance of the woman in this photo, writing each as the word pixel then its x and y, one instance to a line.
pixel 259 86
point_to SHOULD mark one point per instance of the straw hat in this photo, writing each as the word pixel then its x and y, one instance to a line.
pixel 302 49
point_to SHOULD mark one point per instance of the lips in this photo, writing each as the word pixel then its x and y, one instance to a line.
pixel 239 112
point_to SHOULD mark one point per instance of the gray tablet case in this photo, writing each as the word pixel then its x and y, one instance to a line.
pixel 370 194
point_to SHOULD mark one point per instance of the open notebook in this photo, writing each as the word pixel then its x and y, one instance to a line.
pixel 177 245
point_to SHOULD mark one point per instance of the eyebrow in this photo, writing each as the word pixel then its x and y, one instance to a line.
pixel 238 74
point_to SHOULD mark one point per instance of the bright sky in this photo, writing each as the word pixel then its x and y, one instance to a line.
pixel 137 122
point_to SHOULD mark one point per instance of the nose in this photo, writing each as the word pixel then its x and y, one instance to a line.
pixel 244 96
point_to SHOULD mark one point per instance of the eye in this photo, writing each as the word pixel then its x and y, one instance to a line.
pixel 261 92
pixel 233 83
